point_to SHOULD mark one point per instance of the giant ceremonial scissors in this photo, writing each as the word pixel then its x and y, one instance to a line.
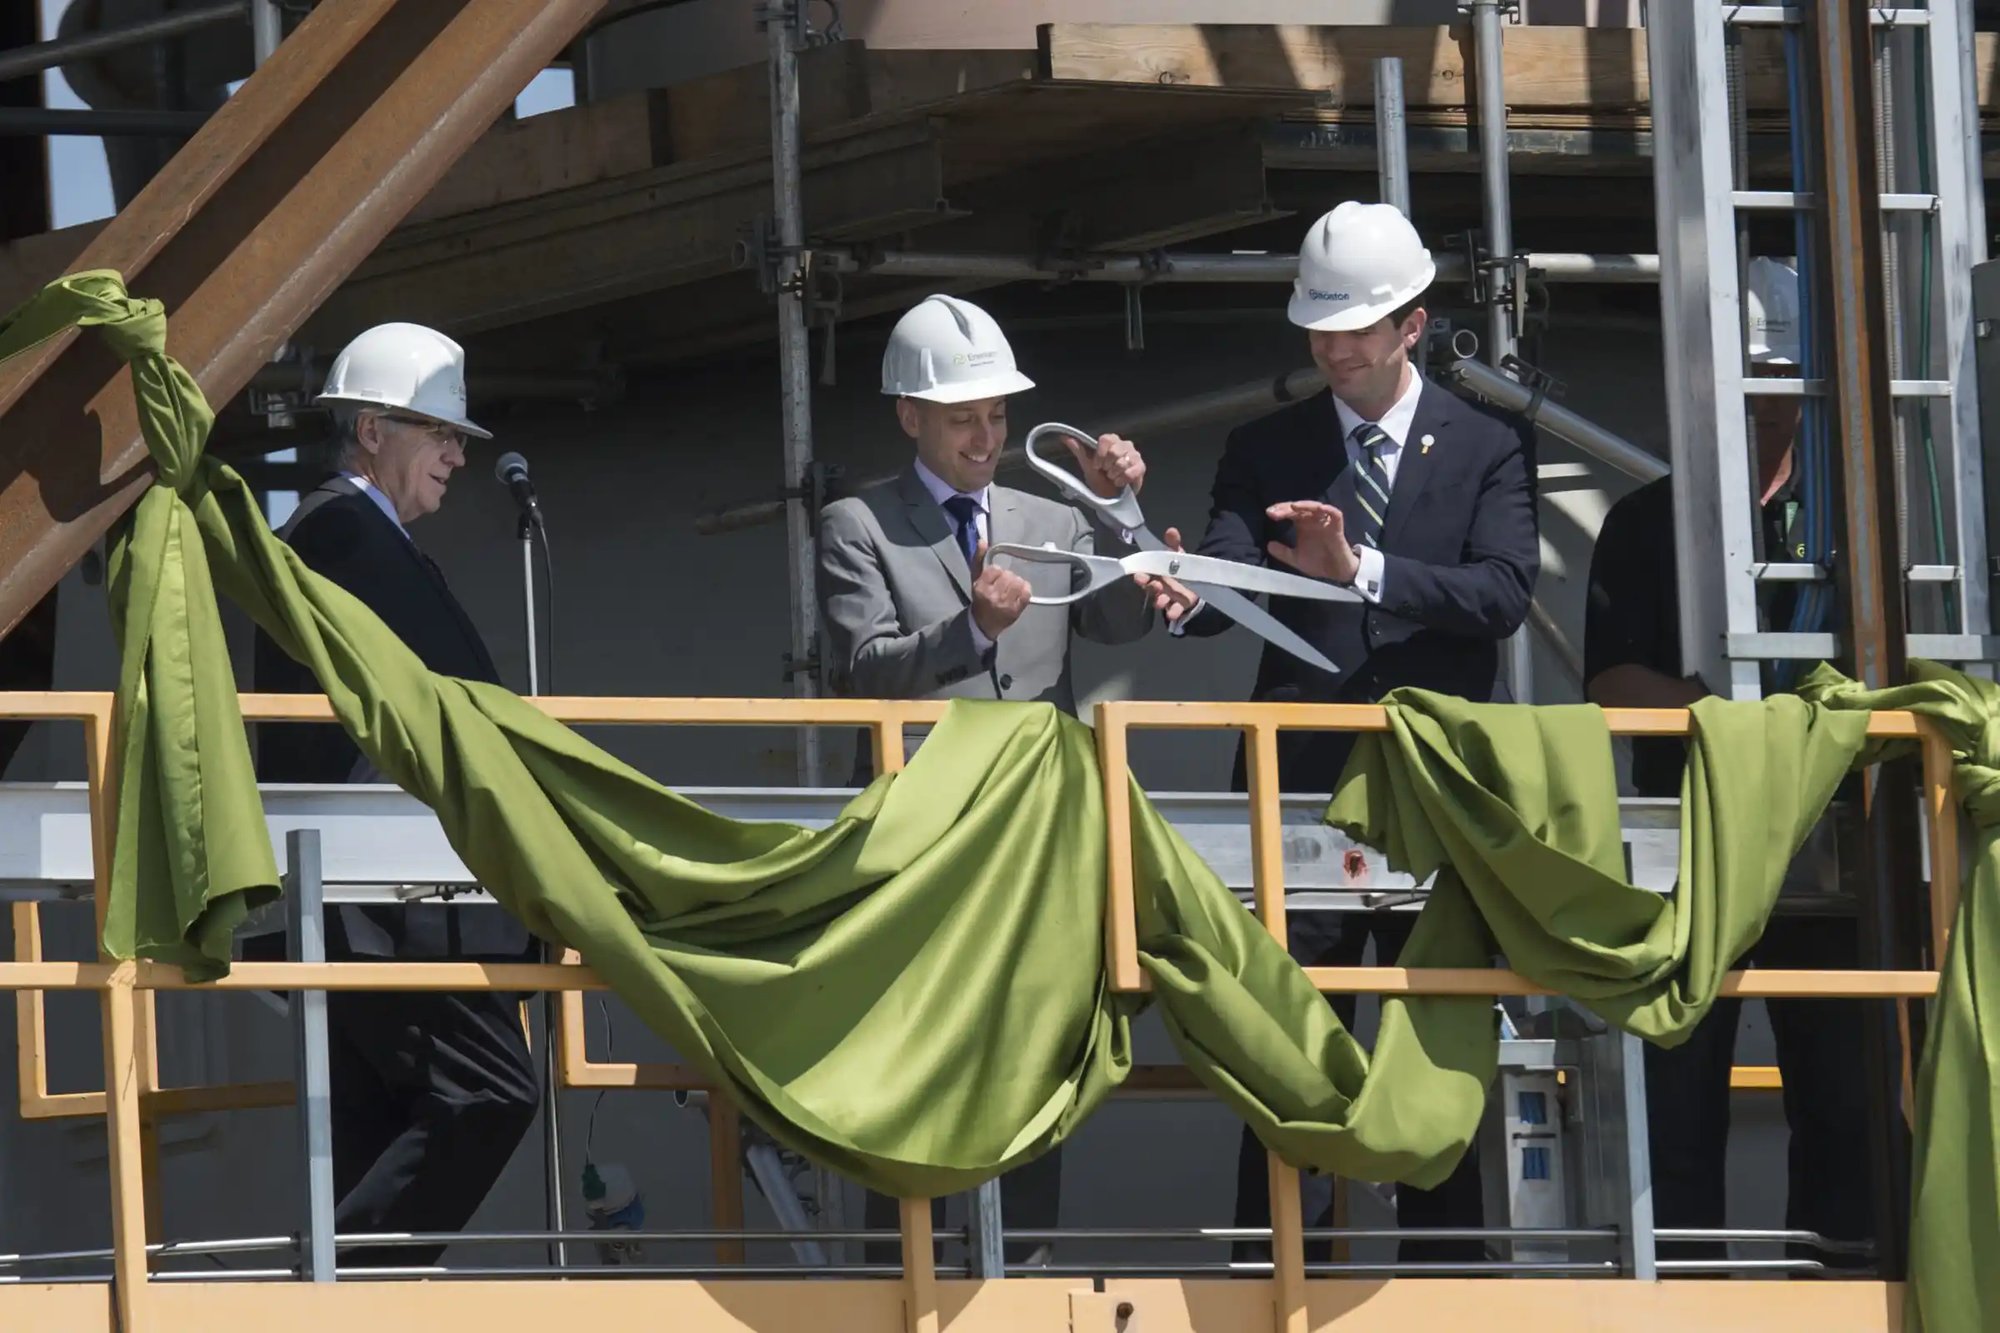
pixel 1215 580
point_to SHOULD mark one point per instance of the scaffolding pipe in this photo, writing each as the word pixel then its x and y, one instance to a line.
pixel 1501 279
pixel 93 122
pixel 1170 266
pixel 1556 419
pixel 21 61
pixel 267 29
pixel 1231 404
pixel 1392 139
pixel 784 23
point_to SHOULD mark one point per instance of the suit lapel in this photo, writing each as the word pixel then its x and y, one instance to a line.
pixel 1413 471
pixel 935 530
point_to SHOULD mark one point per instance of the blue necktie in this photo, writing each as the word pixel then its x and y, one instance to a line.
pixel 965 511
pixel 1371 486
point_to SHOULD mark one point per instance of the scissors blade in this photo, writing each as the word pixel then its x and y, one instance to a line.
pixel 1235 574
pixel 1264 625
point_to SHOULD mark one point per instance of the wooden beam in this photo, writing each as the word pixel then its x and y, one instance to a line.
pixel 1547 67
pixel 251 225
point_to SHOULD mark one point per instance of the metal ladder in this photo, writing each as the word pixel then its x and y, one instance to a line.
pixel 1931 121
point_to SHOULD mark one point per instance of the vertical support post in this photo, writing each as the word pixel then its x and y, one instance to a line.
pixel 553 1209
pixel 1121 927
pixel 1288 1250
pixel 1502 298
pixel 920 1303
pixel 1267 833
pixel 1641 1250
pixel 1941 810
pixel 122 1130
pixel 305 921
pixel 1870 574
pixel 1960 243
pixel 1701 313
pixel 1392 134
pixel 985 1230
pixel 267 29
pixel 725 1171
pixel 784 27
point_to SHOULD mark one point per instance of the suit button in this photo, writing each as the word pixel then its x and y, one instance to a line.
pixel 1006 682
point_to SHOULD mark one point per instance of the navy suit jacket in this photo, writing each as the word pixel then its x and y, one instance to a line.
pixel 1461 549
pixel 340 533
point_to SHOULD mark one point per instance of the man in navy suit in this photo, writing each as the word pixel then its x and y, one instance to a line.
pixel 1422 502
pixel 432 1091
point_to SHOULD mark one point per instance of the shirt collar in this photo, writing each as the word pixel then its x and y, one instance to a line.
pixel 940 490
pixel 374 492
pixel 1396 422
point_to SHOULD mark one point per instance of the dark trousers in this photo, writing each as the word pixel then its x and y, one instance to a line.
pixel 432 1093
pixel 1826 1102
pixel 1030 1199
pixel 1339 939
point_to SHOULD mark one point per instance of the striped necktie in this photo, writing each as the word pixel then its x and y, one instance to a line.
pixel 1371 486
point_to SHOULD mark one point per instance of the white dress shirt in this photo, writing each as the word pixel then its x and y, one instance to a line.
pixel 940 491
pixel 382 501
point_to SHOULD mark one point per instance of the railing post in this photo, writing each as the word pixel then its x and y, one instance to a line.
pixel 725 1169
pixel 920 1305
pixel 1121 928
pixel 305 921
pixel 123 1137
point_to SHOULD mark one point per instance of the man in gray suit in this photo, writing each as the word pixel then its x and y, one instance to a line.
pixel 914 611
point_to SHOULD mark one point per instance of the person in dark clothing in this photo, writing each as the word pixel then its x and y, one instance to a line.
pixel 1632 658
pixel 432 1092
pixel 1422 502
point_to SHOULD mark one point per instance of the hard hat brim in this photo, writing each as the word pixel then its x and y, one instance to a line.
pixel 457 423
pixel 971 391
pixel 1770 358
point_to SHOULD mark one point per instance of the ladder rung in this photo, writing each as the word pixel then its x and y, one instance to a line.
pixel 1790 388
pixel 1799 200
pixel 1784 571
pixel 1824 647
pixel 1764 15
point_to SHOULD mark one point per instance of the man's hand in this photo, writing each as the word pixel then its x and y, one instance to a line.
pixel 1171 598
pixel 1322 548
pixel 999 596
pixel 1111 467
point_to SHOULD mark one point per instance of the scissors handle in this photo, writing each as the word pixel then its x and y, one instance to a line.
pixel 1100 568
pixel 1122 508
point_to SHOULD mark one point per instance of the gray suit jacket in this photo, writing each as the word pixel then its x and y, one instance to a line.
pixel 897 595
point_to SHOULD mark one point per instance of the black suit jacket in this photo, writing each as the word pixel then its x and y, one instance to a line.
pixel 1461 549
pixel 340 533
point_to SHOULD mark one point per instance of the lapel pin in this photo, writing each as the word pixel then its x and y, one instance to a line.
pixel 1427 442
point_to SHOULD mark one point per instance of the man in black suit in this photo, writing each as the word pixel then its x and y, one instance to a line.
pixel 1419 500
pixel 432 1092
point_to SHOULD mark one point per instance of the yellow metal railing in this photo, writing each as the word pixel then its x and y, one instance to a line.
pixel 134 1100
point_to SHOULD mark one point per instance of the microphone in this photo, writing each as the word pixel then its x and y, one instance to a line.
pixel 511 471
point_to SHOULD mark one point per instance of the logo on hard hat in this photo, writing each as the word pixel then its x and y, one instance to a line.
pixel 1315 294
pixel 974 358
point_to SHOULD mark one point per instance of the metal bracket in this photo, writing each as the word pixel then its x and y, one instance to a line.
pixel 779 268
pixel 279 407
pixel 1544 385
pixel 808 666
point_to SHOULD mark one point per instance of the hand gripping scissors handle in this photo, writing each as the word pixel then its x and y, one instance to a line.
pixel 1122 510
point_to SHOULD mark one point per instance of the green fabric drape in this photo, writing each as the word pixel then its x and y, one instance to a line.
pixel 916 995
pixel 1955 1153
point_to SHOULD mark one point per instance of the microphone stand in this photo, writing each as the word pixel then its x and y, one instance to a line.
pixel 529 528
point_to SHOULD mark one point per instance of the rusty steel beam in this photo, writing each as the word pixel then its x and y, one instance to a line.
pixel 247 230
pixel 1856 327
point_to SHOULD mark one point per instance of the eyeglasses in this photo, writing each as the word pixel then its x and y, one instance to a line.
pixel 437 430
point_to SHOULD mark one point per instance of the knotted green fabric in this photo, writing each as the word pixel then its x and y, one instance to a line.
pixel 916 995
pixel 1955 1153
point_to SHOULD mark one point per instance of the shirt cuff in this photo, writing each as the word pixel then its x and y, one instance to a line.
pixel 1178 628
pixel 1368 578
pixel 981 645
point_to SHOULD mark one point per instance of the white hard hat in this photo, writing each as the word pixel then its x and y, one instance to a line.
pixel 404 368
pixel 1772 301
pixel 1359 263
pixel 949 351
